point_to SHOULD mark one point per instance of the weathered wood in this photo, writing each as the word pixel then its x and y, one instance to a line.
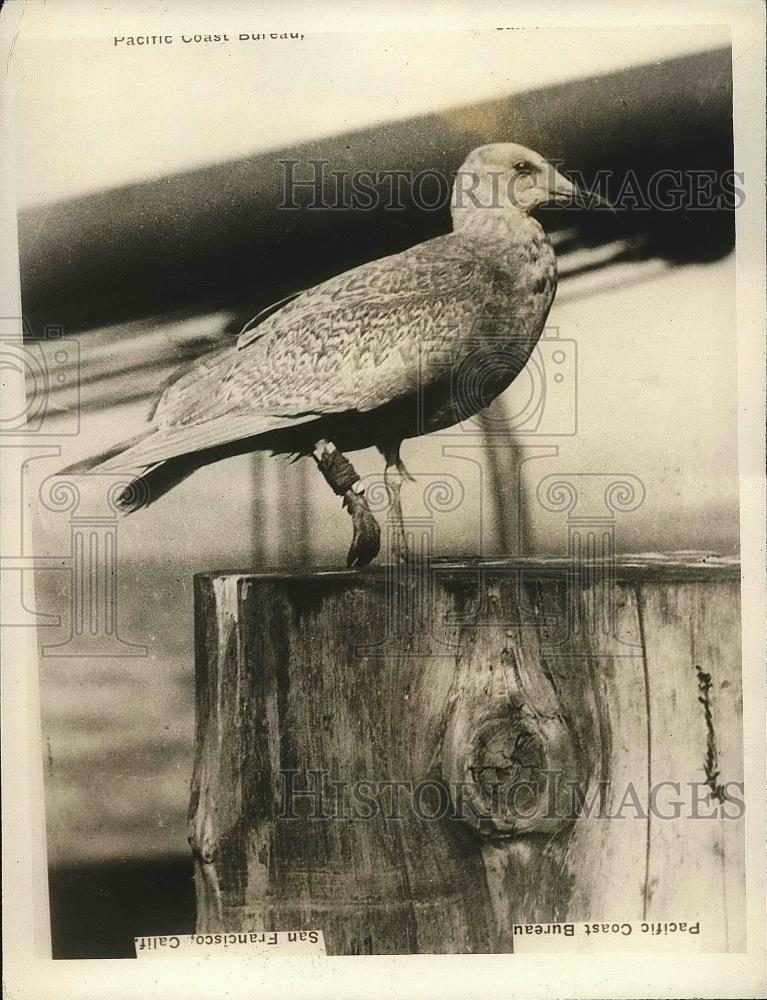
pixel 473 688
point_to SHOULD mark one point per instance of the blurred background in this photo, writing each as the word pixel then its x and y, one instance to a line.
pixel 149 186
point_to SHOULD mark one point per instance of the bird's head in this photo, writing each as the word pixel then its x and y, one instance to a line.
pixel 505 177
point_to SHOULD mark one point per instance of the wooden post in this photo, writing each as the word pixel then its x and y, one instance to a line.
pixel 420 761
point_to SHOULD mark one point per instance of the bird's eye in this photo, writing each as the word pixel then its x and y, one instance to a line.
pixel 523 167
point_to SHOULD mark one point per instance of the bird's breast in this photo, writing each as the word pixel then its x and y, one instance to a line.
pixel 515 287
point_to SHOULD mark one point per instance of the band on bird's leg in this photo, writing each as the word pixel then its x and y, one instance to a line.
pixel 339 473
pixel 344 480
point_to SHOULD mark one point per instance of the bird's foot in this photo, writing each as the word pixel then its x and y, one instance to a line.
pixel 366 540
pixel 342 478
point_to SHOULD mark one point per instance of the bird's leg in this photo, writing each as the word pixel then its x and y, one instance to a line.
pixel 395 474
pixel 342 478
pixel 393 483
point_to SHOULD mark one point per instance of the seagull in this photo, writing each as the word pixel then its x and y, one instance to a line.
pixel 369 357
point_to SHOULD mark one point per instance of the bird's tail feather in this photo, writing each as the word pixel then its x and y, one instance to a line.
pixel 148 484
pixel 94 461
pixel 155 482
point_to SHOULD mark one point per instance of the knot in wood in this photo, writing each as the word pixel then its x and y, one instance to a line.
pixel 506 767
pixel 508 753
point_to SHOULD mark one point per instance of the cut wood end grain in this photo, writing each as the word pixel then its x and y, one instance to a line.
pixel 686 565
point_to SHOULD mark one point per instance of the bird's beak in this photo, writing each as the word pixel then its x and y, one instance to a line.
pixel 564 192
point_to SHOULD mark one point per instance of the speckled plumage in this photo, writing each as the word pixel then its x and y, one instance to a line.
pixel 345 360
pixel 358 341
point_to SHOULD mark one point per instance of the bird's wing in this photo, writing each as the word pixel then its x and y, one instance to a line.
pixel 425 270
pixel 164 443
pixel 362 339
pixel 255 328
pixel 329 348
